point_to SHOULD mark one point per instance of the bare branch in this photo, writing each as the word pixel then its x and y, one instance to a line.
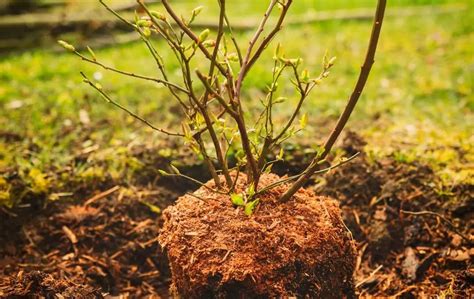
pixel 364 74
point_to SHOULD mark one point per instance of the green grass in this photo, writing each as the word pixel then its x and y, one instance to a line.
pixel 418 104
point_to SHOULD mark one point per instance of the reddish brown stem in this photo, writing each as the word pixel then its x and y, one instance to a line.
pixel 364 74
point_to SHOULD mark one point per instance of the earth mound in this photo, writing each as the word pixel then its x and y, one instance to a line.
pixel 297 248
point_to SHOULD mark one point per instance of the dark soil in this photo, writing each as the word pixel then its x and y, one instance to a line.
pixel 109 245
pixel 414 240
pixel 40 284
pixel 298 248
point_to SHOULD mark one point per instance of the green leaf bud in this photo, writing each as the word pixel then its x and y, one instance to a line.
pixel 233 57
pixel 158 15
pixel 203 35
pixel 209 43
pixel 304 120
pixel 146 32
pixel 66 45
pixel 280 154
pixel 197 10
pixel 277 52
pixel 144 23
pixel 304 76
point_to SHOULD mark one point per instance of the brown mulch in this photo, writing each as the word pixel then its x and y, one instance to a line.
pixel 414 240
pixel 107 243
pixel 45 285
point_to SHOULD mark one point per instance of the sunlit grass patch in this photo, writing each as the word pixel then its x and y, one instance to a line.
pixel 418 104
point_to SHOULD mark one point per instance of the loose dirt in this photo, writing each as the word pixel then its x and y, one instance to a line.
pixel 414 240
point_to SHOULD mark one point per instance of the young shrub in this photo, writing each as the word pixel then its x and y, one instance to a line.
pixel 246 231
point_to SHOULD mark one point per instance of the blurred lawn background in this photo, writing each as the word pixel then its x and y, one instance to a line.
pixel 417 106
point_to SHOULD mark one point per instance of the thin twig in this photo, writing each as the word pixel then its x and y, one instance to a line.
pixel 158 59
pixel 269 37
pixel 109 68
pixel 195 181
pixel 109 100
pixel 219 98
pixel 252 43
pixel 234 41
pixel 294 177
pixel 101 195
pixel 360 283
pixel 445 219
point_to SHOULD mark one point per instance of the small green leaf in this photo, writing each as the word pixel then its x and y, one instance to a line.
pixel 304 120
pixel 233 57
pixel 237 199
pixel 296 61
pixel 194 13
pixel 280 154
pixel 162 172
pixel 152 207
pixel 251 191
pixel 268 169
pixel 331 61
pixel 186 130
pixel 199 119
pixel 325 59
pixel 250 206
pixel 279 100
pixel 209 43
pixel 277 52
